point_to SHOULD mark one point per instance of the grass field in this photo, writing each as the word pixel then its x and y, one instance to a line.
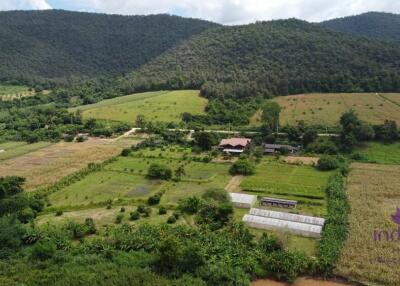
pixel 380 153
pixel 166 106
pixel 374 195
pixel 325 109
pixel 47 165
pixel 9 92
pixel 126 179
pixel 302 183
pixel 10 150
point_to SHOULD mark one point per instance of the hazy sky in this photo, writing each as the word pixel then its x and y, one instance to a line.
pixel 221 11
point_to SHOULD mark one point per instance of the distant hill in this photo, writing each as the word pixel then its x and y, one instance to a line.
pixel 272 58
pixel 383 26
pixel 59 44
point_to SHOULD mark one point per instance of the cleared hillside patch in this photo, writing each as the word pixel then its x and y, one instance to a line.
pixel 326 109
pixel 47 165
pixel 10 92
pixel 166 106
pixel 374 194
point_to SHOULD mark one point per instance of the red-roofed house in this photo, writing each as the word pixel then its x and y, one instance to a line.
pixel 234 145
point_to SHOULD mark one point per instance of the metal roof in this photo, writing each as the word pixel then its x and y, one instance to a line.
pixel 288 217
pixel 242 198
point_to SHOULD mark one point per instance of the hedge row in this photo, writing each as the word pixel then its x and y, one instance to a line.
pixel 335 230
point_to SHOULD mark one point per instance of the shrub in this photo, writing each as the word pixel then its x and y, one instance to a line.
pixel 154 200
pixel 189 205
pixel 59 213
pixel 171 219
pixel 216 194
pixel 90 226
pixel 242 167
pixel 287 266
pixel 141 209
pixel 158 171
pixel 327 163
pixel 162 211
pixel 147 212
pixel 134 215
pixel 119 218
pixel 26 215
pixel 126 152
pixel 122 210
pixel 43 250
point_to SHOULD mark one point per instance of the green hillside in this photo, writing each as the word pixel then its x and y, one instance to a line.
pixel 272 58
pixel 166 106
pixel 383 26
pixel 58 44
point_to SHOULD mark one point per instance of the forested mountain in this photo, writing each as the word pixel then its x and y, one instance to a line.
pixel 271 58
pixel 58 44
pixel 383 26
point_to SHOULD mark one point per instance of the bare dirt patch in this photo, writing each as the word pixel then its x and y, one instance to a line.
pixel 46 166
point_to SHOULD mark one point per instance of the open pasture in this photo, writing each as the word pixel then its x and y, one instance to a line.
pixel 374 195
pixel 166 106
pixel 47 165
pixel 302 183
pixel 10 92
pixel 375 152
pixel 326 109
pixel 10 150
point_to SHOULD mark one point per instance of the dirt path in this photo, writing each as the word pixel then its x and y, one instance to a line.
pixel 234 184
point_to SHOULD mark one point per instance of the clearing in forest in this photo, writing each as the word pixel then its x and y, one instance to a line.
pixel 326 108
pixel 10 92
pixel 370 255
pixel 165 106
pixel 47 165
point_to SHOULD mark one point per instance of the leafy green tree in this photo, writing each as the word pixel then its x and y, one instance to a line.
pixel 43 250
pixel 159 171
pixel 205 140
pixel 309 136
pixel 270 115
pixel 242 167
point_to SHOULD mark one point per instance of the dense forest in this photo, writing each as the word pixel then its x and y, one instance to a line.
pixel 60 45
pixel 383 26
pixel 272 58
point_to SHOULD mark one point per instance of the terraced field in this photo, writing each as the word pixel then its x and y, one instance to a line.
pixel 166 106
pixel 325 109
pixel 10 150
pixel 380 153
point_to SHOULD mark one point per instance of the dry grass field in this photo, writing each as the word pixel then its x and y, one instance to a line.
pixel 326 109
pixel 48 165
pixel 374 195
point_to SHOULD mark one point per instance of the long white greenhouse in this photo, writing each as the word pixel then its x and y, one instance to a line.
pixel 243 200
pixel 303 229
pixel 288 216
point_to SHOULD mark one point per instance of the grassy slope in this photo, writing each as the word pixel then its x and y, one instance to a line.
pixel 326 108
pixel 8 92
pixel 15 149
pixel 373 192
pixel 164 106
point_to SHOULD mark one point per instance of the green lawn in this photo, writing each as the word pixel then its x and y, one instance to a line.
pixel 9 150
pixel 304 184
pixel 166 106
pixel 381 153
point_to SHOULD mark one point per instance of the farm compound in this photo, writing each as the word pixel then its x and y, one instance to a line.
pixel 234 145
pixel 243 200
pixel 272 220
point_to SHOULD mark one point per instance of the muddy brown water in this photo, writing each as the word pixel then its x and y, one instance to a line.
pixel 299 282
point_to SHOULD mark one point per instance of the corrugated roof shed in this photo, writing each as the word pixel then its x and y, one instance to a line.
pixel 243 200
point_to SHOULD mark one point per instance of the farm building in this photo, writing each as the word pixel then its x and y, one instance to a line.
pixel 272 220
pixel 288 216
pixel 309 230
pixel 276 148
pixel 278 202
pixel 243 200
pixel 234 145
